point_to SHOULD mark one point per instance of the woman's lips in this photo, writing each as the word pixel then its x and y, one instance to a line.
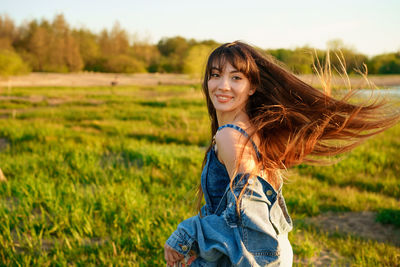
pixel 223 98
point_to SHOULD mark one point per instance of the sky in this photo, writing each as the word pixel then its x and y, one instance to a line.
pixel 369 26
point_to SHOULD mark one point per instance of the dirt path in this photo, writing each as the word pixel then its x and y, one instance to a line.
pixel 106 79
pixel 95 79
pixel 360 224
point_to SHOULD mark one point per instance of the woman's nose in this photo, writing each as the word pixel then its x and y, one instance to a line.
pixel 224 84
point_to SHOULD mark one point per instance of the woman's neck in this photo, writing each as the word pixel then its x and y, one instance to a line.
pixel 232 117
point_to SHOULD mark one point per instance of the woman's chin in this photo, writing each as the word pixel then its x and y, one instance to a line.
pixel 222 108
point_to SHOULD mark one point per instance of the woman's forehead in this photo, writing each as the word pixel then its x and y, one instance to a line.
pixel 225 67
pixel 221 64
pixel 235 62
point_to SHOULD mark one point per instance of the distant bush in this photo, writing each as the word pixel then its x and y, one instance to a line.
pixel 173 52
pixel 299 61
pixel 389 216
pixel 125 64
pixel 385 64
pixel 12 64
pixel 96 65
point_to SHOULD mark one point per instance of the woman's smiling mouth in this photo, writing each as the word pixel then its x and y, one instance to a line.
pixel 223 98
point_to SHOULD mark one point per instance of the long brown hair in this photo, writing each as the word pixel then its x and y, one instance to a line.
pixel 293 120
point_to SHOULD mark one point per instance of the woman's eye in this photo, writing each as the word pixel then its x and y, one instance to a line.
pixel 236 77
pixel 214 75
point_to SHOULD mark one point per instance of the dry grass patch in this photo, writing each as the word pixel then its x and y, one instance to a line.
pixel 362 224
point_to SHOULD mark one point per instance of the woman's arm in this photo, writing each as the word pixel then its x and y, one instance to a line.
pixel 211 236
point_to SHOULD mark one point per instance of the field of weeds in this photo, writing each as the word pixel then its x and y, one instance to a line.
pixel 100 176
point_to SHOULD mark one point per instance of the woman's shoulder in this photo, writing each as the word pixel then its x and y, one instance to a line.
pixel 236 136
pixel 235 131
pixel 230 140
pixel 232 145
pixel 226 141
pixel 227 136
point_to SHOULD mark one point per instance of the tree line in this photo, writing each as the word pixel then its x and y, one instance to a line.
pixel 53 46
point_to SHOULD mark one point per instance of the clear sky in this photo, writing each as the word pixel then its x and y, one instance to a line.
pixel 370 26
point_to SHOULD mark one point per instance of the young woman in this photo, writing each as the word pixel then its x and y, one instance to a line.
pixel 263 119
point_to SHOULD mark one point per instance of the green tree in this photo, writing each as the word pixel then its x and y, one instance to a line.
pixel 388 63
pixel 72 55
pixel 63 54
pixel 148 54
pixel 350 58
pixel 119 39
pixel 115 42
pixel 123 63
pixel 172 45
pixel 7 32
pixel 280 54
pixel 105 44
pixel 196 58
pixel 173 51
pixel 11 64
pixel 38 47
pixel 116 53
pixel 299 60
pixel 49 46
pixel 88 47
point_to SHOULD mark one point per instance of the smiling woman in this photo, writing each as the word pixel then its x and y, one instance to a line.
pixel 263 120
pixel 229 89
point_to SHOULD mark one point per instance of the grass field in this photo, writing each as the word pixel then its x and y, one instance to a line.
pixel 100 176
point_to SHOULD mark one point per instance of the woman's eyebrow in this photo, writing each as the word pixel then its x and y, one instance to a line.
pixel 219 69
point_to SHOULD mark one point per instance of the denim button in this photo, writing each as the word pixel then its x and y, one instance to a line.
pixel 269 192
pixel 184 248
pixel 251 181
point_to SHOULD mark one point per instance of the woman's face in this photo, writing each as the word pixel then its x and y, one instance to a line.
pixel 228 89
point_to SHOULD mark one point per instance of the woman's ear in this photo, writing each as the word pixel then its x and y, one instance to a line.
pixel 252 91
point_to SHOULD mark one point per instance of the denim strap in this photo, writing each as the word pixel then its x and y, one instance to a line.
pixel 244 133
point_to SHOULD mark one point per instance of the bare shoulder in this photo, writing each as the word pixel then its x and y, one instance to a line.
pixel 231 144
pixel 228 138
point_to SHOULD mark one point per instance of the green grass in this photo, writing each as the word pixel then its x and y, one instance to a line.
pixel 389 216
pixel 100 176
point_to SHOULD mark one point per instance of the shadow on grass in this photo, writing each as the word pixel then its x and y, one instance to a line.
pixel 376 187
pixel 389 216
pixel 3 143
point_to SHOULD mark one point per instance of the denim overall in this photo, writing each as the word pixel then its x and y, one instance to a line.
pixel 220 237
